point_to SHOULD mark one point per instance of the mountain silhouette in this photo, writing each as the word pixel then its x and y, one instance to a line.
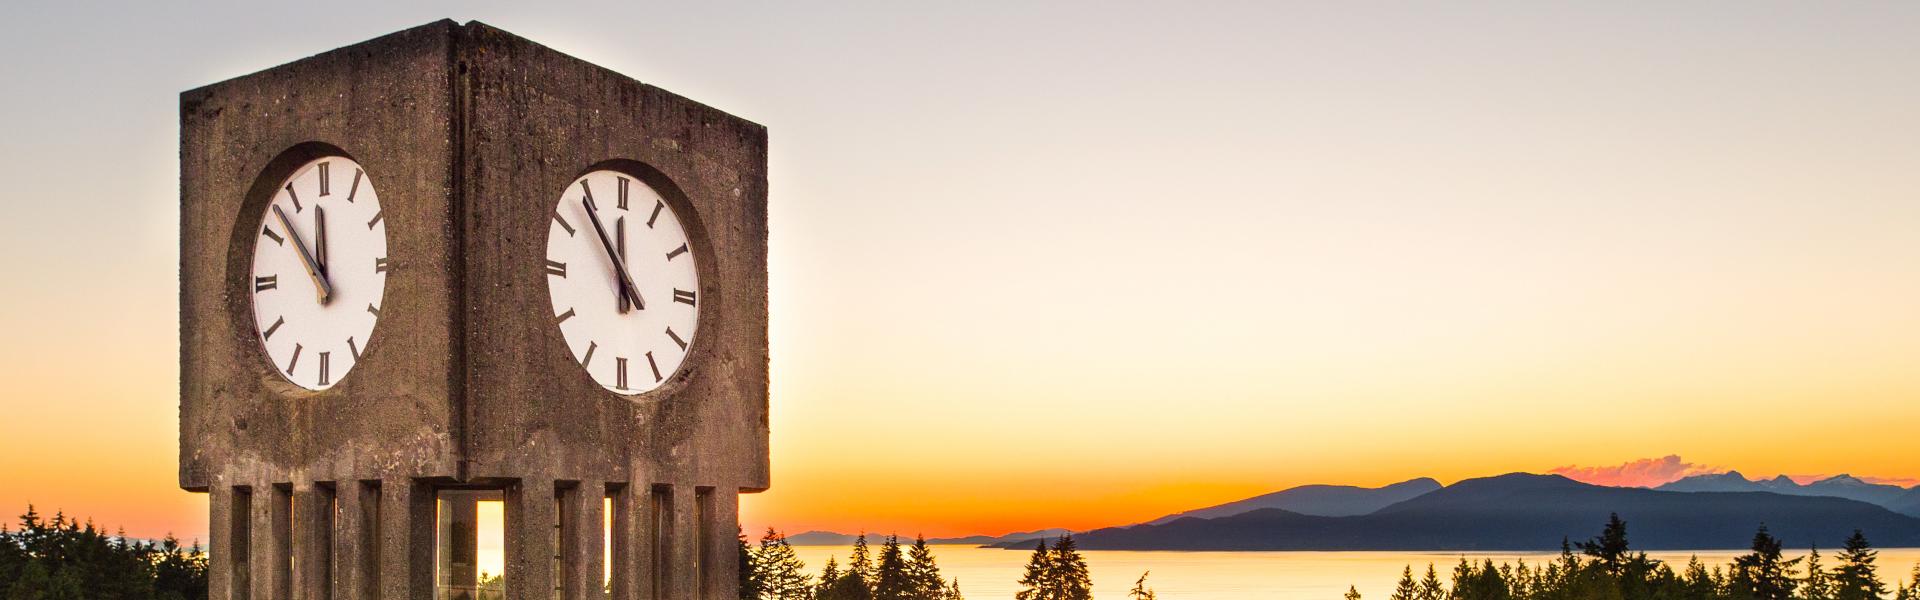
pixel 1839 486
pixel 1529 512
pixel 1317 500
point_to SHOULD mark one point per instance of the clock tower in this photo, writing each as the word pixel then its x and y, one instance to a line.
pixel 449 267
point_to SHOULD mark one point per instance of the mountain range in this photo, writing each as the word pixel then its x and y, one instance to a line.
pixel 1839 486
pixel 1317 500
pixel 1527 512
pixel 829 538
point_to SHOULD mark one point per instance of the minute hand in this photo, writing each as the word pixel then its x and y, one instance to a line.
pixel 619 266
pixel 320 286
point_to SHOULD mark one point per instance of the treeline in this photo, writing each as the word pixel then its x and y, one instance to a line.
pixel 772 571
pixel 63 559
pixel 1606 568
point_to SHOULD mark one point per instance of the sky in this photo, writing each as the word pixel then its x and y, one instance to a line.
pixel 1080 264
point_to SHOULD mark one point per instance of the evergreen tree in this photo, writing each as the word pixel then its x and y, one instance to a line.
pixel 1856 579
pixel 752 571
pixel 1430 586
pixel 1610 549
pixel 1698 584
pixel 1817 585
pixel 953 591
pixel 1035 584
pixel 1353 593
pixel 860 565
pixel 1762 574
pixel 923 576
pixel 1911 590
pixel 1069 571
pixel 1406 589
pixel 1140 590
pixel 828 577
pixel 782 574
pixel 890 578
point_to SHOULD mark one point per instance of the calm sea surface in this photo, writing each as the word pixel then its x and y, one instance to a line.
pixel 990 573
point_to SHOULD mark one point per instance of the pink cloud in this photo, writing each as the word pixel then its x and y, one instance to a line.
pixel 1646 472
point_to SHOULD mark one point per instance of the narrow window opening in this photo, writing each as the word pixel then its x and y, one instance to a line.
pixel 240 541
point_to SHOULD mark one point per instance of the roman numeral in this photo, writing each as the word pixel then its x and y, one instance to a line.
pixel 355 187
pixel 295 361
pixel 380 265
pixel 273 236
pixel 355 350
pixel 261 284
pixel 563 223
pixel 677 251
pixel 657 205
pixel 683 296
pixel 676 339
pixel 294 197
pixel 623 193
pixel 620 373
pixel 655 366
pixel 588 359
pixel 325 181
pixel 376 218
pixel 587 190
pixel 555 267
pixel 372 309
pixel 324 368
pixel 565 315
pixel 268 334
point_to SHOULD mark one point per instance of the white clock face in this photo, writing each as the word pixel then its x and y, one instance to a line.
pixel 319 270
pixel 628 347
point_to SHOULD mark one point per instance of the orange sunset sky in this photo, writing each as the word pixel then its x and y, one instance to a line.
pixel 1085 264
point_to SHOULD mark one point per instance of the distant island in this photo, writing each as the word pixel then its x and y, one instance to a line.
pixel 1513 512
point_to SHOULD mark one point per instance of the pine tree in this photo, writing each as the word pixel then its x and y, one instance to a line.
pixel 1430 586
pixel 1911 590
pixel 953 592
pixel 1856 579
pixel 1140 590
pixel 1406 589
pixel 1069 571
pixel 1611 547
pixel 828 577
pixel 1035 584
pixel 1353 593
pixel 890 578
pixel 1817 585
pixel 860 566
pixel 923 576
pixel 782 574
pixel 752 572
pixel 1761 574
pixel 1696 583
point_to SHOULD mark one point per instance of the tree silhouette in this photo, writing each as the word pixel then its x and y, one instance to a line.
pixel 1140 590
pixel 1761 573
pixel 1856 579
pixel 923 576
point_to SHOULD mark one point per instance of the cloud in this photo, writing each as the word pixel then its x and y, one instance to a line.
pixel 1646 472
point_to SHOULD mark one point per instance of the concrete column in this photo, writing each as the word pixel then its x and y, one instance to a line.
pixel 632 546
pixel 271 529
pixel 312 542
pixel 531 539
pixel 356 541
pixel 582 539
pixel 681 576
pixel 406 540
pixel 227 516
pixel 720 527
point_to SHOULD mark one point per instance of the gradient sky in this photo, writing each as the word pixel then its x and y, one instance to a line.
pixel 1088 263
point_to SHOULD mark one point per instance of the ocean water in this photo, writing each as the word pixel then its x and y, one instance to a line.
pixel 987 573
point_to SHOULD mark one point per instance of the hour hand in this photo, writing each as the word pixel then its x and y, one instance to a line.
pixel 322 290
pixel 619 266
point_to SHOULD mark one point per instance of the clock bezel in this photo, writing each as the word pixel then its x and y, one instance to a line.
pixel 245 241
pixel 710 295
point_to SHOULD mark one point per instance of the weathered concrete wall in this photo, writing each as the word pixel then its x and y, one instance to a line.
pixel 470 134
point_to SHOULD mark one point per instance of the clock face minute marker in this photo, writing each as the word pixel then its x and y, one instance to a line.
pixel 268 334
pixel 676 339
pixel 654 365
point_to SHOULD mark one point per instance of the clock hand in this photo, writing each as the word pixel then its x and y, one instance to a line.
pixel 619 266
pixel 620 247
pixel 320 238
pixel 320 286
